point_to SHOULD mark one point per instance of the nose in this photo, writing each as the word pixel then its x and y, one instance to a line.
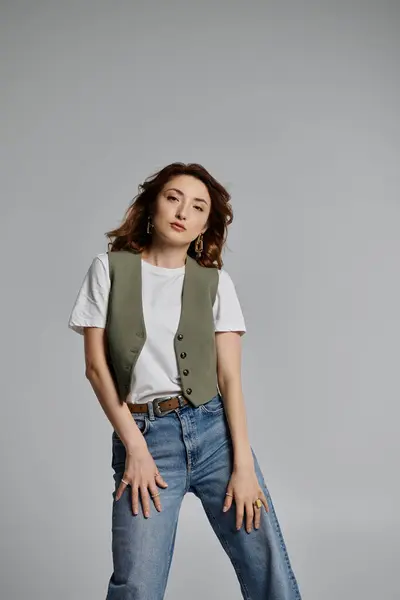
pixel 180 214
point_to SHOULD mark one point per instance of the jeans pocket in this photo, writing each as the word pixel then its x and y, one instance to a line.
pixel 143 423
pixel 215 406
pixel 118 448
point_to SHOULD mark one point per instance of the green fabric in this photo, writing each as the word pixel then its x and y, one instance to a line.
pixel 194 340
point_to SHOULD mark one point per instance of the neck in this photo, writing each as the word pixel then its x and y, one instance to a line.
pixel 165 256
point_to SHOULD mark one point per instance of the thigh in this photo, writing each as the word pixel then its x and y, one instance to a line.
pixel 142 548
pixel 260 558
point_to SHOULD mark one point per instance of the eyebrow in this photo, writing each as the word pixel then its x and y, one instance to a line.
pixel 181 193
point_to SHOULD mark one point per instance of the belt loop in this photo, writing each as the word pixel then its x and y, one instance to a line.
pixel 181 401
pixel 151 410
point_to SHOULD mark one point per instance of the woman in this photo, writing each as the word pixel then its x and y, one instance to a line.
pixel 162 329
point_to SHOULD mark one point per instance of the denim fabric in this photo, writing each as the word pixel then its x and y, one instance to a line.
pixel 192 449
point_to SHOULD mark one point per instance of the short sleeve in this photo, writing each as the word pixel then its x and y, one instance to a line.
pixel 227 311
pixel 90 308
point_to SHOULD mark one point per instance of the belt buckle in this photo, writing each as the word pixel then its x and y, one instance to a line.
pixel 156 406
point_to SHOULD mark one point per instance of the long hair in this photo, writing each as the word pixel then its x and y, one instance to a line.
pixel 132 233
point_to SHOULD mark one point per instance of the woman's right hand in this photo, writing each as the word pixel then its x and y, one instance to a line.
pixel 142 475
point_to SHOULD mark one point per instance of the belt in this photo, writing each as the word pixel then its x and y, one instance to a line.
pixel 161 406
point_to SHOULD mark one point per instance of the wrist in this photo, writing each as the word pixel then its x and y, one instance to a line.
pixel 132 446
pixel 243 460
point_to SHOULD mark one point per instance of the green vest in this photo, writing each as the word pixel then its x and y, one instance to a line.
pixel 194 340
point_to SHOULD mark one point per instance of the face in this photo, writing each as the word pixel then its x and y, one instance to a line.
pixel 184 200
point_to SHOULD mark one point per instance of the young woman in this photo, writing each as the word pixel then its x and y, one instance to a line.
pixel 162 329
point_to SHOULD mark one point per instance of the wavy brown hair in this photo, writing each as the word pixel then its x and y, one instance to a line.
pixel 132 233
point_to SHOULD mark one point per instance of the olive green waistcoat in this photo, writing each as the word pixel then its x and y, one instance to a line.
pixel 194 340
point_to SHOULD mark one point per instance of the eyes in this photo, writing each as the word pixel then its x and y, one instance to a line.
pixel 200 208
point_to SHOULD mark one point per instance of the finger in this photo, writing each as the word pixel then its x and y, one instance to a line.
pixel 155 496
pixel 249 516
pixel 227 502
pixel 239 514
pixel 144 494
pixel 160 480
pixel 120 489
pixel 257 517
pixel 264 500
pixel 135 499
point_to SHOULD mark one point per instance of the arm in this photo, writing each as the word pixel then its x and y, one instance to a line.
pixel 88 318
pixel 243 486
pixel 228 346
pixel 99 376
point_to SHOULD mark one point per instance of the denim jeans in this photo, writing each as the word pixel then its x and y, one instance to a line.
pixel 192 449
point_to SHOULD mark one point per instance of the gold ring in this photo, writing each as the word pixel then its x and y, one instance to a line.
pixel 258 503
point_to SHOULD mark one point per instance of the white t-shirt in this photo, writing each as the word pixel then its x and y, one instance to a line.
pixel 156 369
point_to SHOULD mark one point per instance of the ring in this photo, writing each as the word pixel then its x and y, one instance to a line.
pixel 257 503
pixel 228 494
pixel 155 495
pixel 126 482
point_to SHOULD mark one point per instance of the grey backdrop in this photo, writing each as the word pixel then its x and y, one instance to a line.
pixel 294 107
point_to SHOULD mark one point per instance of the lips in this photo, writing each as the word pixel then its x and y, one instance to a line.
pixel 178 227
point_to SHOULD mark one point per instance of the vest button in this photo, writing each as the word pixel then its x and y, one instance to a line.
pixel 180 337
pixel 189 391
pixel 183 354
pixel 185 372
pixel 140 334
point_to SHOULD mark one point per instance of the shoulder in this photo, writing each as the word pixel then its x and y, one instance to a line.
pixel 224 275
pixel 101 259
pixel 225 280
pixel 100 263
pixel 228 315
pixel 98 272
pixel 120 258
pixel 201 272
pixel 226 288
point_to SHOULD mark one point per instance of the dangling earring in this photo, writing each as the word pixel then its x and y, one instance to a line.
pixel 199 245
pixel 149 224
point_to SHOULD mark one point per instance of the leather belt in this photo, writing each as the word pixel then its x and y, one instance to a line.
pixel 161 406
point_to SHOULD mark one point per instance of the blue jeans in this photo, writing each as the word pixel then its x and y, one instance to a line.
pixel 192 449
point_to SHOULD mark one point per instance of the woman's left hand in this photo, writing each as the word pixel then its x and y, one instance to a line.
pixel 245 489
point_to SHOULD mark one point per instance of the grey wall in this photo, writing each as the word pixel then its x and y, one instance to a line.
pixel 292 105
